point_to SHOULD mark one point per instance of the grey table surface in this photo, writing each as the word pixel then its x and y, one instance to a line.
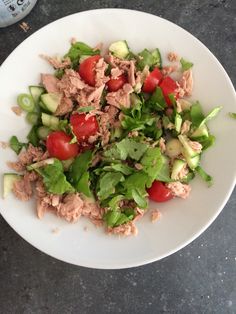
pixel 201 278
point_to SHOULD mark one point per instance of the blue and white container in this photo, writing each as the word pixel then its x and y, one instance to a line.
pixel 11 11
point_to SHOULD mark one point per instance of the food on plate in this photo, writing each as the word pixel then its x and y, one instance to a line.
pixel 108 132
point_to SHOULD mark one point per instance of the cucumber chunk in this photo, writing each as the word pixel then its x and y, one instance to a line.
pixel 50 121
pixel 36 92
pixel 178 165
pixel 200 133
pixel 51 101
pixel 185 142
pixel 8 180
pixel 119 49
pixel 173 148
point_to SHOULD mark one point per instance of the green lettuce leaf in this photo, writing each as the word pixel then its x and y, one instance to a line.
pixel 54 179
pixel 186 65
pixel 16 145
pixel 107 184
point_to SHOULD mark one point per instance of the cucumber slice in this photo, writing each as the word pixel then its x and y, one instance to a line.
pixel 51 101
pixel 50 121
pixel 26 102
pixel 33 118
pixel 184 141
pixel 36 92
pixel 8 180
pixel 201 132
pixel 192 162
pixel 42 163
pixel 178 165
pixel 43 132
pixel 119 49
pixel 178 122
pixel 157 57
pixel 173 148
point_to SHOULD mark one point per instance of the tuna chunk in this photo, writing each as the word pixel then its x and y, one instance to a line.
pixel 71 83
pixel 185 127
pixel 100 70
pixel 186 83
pixel 23 188
pixel 121 98
pixel 115 72
pixel 179 189
pixel 93 211
pixel 57 63
pixel 125 229
pixel 65 106
pixel 103 128
pixel 71 207
pixel 50 82
pixel 27 157
pixel 131 74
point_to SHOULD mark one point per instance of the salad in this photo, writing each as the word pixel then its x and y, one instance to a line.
pixel 109 132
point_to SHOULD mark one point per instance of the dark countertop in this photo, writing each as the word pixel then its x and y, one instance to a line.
pixel 200 278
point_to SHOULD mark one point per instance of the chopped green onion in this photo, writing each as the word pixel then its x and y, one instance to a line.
pixel 43 132
pixel 232 115
pixel 206 177
pixel 186 65
pixel 32 118
pixel 26 102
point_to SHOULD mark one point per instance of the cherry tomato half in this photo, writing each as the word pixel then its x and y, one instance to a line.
pixel 83 127
pixel 158 192
pixel 58 145
pixel 116 83
pixel 152 81
pixel 168 86
pixel 87 69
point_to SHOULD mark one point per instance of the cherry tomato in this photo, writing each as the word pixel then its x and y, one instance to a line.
pixel 116 83
pixel 152 81
pixel 168 86
pixel 158 192
pixel 58 145
pixel 87 69
pixel 83 128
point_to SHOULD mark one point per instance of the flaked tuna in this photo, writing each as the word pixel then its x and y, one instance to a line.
pixel 50 82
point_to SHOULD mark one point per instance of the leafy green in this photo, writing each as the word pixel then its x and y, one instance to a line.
pixel 164 171
pixel 123 168
pixel 130 148
pixel 196 114
pixel 16 145
pixel 211 115
pixel 79 49
pixel 152 163
pixel 186 65
pixel 33 136
pixel 149 58
pixel 107 184
pixel 78 174
pixel 59 73
pixel 207 141
pixel 114 218
pixel 206 177
pixel 157 100
pixel 232 115
pixel 139 198
pixel 137 181
pixel 54 179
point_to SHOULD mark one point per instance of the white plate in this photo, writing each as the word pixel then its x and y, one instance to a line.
pixel 182 221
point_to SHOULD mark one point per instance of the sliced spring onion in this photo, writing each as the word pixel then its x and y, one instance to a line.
pixel 26 102
pixel 43 132
pixel 32 118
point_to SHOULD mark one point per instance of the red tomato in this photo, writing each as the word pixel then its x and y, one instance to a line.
pixel 152 81
pixel 58 145
pixel 87 69
pixel 168 86
pixel 116 83
pixel 83 128
pixel 158 192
